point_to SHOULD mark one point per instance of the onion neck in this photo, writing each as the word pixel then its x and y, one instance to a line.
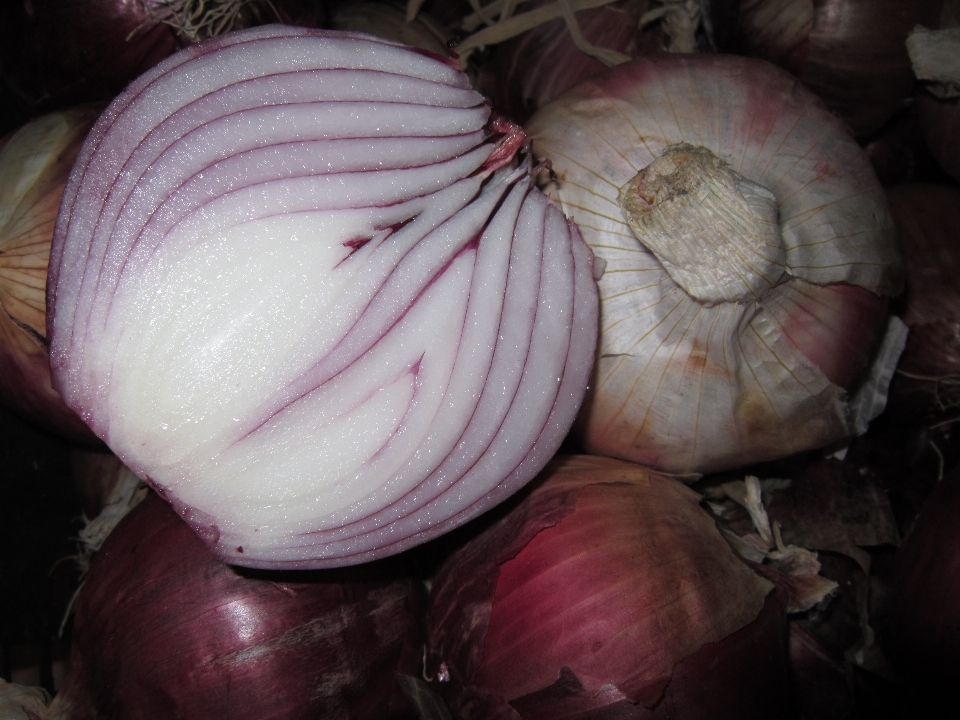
pixel 714 231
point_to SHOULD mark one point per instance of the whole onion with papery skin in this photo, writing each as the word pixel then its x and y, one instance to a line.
pixel 298 286
pixel 609 593
pixel 164 629
pixel 34 164
pixel 748 248
pixel 852 53
pixel 924 635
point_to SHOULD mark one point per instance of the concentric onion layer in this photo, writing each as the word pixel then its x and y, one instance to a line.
pixel 688 386
pixel 290 287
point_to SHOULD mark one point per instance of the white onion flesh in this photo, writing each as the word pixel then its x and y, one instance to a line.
pixel 290 287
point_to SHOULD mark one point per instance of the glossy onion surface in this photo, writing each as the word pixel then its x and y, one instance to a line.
pixel 607 593
pixel 166 630
pixel 298 286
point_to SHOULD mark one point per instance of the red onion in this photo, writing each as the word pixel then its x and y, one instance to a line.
pixel 928 227
pixel 925 608
pixel 852 53
pixel 56 53
pixel 165 630
pixel 527 71
pixel 34 164
pixel 748 251
pixel 298 286
pixel 607 591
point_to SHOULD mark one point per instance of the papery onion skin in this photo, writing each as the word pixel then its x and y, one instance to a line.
pixel 852 53
pixel 692 387
pixel 294 332
pixel 163 629
pixel 608 590
pixel 34 164
pixel 924 613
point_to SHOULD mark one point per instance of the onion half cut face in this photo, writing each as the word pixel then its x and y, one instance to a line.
pixel 300 287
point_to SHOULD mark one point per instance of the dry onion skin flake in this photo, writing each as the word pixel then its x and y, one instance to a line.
pixel 299 286
pixel 747 250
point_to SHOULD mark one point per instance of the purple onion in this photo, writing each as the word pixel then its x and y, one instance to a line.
pixel 163 629
pixel 852 53
pixel 609 592
pixel 927 225
pixel 526 72
pixel 301 286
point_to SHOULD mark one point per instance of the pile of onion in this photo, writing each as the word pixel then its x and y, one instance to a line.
pixel 34 164
pixel 747 253
pixel 301 284
pixel 163 629
pixel 852 53
pixel 608 592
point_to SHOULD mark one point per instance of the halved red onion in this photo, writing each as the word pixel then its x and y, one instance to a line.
pixel 748 250
pixel 298 287
pixel 165 630
pixel 609 593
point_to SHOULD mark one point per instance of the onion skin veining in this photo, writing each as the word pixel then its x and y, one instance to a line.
pixel 739 312
pixel 35 162
pixel 607 590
